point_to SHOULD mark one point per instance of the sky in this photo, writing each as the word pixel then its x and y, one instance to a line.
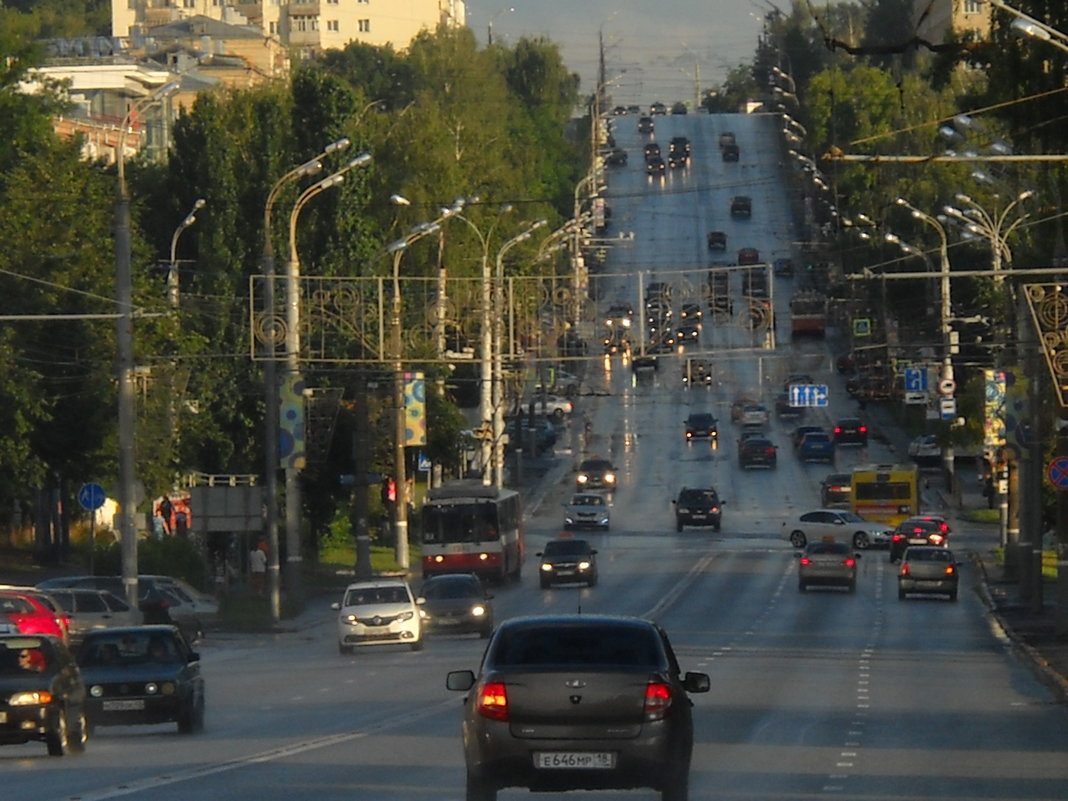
pixel 654 49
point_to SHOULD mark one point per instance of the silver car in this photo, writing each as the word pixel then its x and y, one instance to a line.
pixel 827 563
pixel 839 524
pixel 586 510
pixel 91 610
pixel 928 569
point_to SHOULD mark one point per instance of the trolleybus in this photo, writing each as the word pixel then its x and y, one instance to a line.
pixel 472 528
pixel 886 493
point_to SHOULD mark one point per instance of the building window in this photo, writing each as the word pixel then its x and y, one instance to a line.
pixel 333 25
pixel 273 29
pixel 973 6
pixel 363 26
pixel 189 3
pixel 332 2
pixel 363 2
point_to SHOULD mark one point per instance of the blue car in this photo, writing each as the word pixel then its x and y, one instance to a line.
pixel 816 446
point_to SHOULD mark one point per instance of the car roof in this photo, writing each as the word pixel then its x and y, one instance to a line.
pixel 385 581
pixel 838 477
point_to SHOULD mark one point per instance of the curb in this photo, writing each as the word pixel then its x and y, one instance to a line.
pixel 1005 633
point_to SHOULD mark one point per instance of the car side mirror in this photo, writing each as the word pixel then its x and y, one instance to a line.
pixel 696 682
pixel 857 555
pixel 539 553
pixel 673 500
pixel 194 656
pixel 420 600
pixel 460 680
pixel 336 606
pixel 593 551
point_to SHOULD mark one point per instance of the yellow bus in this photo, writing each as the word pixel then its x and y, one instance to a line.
pixel 886 493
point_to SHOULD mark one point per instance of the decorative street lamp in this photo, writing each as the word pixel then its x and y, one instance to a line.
pixel 172 272
pixel 124 355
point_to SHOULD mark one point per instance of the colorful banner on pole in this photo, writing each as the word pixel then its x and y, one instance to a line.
pixel 993 410
pixel 414 409
pixel 291 446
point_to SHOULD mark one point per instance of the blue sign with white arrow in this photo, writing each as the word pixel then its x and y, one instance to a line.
pixel 808 395
pixel 915 379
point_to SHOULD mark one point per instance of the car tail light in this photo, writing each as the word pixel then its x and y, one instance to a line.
pixel 862 430
pixel 936 539
pixel 769 451
pixel 950 570
pixel 837 429
pixel 898 537
pixel 493 701
pixel 657 699
pixel 805 560
pixel 904 571
pixel 850 562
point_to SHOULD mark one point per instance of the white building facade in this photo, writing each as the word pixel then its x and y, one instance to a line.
pixel 307 27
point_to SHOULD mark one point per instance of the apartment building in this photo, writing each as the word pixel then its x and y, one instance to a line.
pixel 935 18
pixel 306 27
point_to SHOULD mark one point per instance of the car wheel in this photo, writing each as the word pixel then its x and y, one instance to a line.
pixel 592 582
pixel 76 740
pixel 485 632
pixel 187 718
pixel 479 789
pixel 901 594
pixel 558 414
pixel 798 539
pixel 801 586
pixel 417 645
pixel 544 584
pixel 852 586
pixel 861 541
pixel 678 525
pixel 57 739
pixel 198 715
pixel 953 596
pixel 344 649
pixel 677 786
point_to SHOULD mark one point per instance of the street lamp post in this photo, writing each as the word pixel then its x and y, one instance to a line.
pixel 292 347
pixel 270 377
pixel 948 454
pixel 172 273
pixel 400 469
pixel 498 356
pixel 124 355
pixel 489 25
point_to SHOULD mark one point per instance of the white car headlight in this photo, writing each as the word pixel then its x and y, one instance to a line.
pixel 610 478
pixel 582 478
pixel 30 698
pixel 583 565
pixel 478 611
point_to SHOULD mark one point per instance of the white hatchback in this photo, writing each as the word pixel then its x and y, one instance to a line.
pixel 378 612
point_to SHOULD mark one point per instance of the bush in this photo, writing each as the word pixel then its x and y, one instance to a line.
pixel 170 556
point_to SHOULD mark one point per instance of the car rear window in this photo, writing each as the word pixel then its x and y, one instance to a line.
pixel 697 496
pixel 830 548
pixel 577 646
pixel 929 555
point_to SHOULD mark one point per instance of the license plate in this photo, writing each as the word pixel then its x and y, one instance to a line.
pixel 574 760
pixel 3 717
pixel 918 542
pixel 698 517
pixel 123 706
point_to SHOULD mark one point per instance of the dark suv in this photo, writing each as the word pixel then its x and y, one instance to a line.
pixel 850 431
pixel 701 425
pixel 578 702
pixel 756 452
pixel 697 507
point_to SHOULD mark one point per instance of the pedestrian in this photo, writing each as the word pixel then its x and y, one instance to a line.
pixel 257 568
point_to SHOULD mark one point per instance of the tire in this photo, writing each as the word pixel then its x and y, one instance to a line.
pixel 953 596
pixel 544 584
pixel 678 525
pixel 798 539
pixel 479 789
pixel 417 645
pixel 187 718
pixel 852 586
pixel 801 586
pixel 58 738
pixel 558 414
pixel 344 650
pixel 484 633
pixel 901 594
pixel 592 582
pixel 677 786
pixel 77 738
pixel 861 541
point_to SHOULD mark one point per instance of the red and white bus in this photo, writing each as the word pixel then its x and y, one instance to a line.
pixel 472 528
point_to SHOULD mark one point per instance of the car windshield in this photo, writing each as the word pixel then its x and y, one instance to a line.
pixel 696 496
pixel 578 647
pixel 827 548
pixel 587 500
pixel 566 548
pixel 701 419
pixel 452 588
pixel 365 596
pixel 849 517
pixel 129 648
pixel 595 465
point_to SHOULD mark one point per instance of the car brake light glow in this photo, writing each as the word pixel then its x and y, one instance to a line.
pixel 950 570
pixel 657 699
pixel 805 560
pixel 863 429
pixel 849 562
pixel 493 701
pixel 904 571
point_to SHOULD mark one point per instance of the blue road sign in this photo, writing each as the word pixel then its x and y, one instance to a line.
pixel 424 463
pixel 808 395
pixel 91 496
pixel 915 379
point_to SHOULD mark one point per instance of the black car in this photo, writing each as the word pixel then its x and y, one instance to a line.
pixel 717 240
pixel 836 488
pixel 578 702
pixel 654 166
pixel 617 157
pixel 680 144
pixel 646 125
pixel 142 674
pixel 677 159
pixel 567 561
pixel 650 150
pixel 678 107
pixel 455 603
pixel 916 531
pixel 756 452
pixel 741 206
pixel 657 108
pixel 730 153
pixel 42 695
pixel 701 425
pixel 850 431
pixel 697 507
pixel 595 474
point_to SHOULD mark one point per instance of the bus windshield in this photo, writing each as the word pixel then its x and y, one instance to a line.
pixel 469 522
